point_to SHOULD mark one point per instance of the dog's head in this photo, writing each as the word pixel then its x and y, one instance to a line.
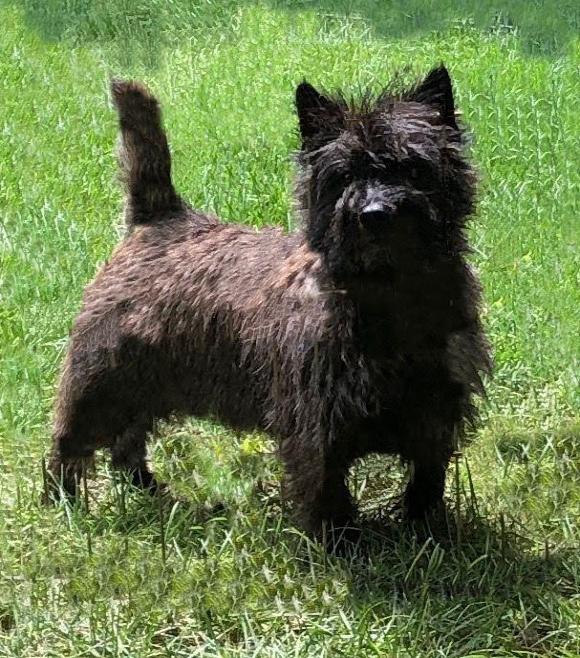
pixel 384 182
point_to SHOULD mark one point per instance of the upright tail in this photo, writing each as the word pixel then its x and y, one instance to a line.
pixel 144 156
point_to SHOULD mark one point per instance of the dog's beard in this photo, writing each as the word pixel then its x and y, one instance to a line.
pixel 406 242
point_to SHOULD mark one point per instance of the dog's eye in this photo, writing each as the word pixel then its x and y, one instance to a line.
pixel 419 174
pixel 339 180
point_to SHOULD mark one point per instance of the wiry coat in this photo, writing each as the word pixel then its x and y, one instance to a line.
pixel 339 340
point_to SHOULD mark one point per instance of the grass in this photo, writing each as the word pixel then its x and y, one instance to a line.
pixel 221 571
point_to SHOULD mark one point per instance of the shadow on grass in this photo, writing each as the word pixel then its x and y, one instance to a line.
pixel 493 583
pixel 139 30
pixel 452 582
pixel 485 558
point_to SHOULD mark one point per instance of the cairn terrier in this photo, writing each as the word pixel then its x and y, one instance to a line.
pixel 358 334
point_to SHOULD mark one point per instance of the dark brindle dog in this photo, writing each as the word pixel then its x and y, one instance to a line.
pixel 358 334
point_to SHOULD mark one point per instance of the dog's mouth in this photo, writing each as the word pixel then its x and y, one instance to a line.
pixel 398 237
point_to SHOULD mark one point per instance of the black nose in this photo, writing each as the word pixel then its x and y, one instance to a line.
pixel 374 219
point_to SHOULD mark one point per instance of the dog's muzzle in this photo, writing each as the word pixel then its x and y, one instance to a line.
pixel 385 205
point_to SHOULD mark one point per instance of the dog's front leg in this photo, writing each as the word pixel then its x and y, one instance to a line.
pixel 317 487
pixel 429 463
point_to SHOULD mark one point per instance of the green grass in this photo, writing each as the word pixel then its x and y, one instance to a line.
pixel 229 575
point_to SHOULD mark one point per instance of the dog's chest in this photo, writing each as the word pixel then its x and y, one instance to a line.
pixel 413 313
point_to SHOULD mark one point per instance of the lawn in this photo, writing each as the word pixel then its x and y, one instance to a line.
pixel 220 570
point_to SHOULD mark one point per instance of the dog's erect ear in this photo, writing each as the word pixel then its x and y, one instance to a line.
pixel 316 112
pixel 437 90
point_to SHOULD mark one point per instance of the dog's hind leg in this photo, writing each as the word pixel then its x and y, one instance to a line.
pixel 129 453
pixel 69 459
pixel 73 441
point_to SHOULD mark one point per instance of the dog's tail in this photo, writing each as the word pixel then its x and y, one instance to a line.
pixel 144 156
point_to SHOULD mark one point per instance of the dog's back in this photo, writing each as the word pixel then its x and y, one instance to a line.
pixel 185 308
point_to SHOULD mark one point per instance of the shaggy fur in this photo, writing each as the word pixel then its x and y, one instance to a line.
pixel 358 334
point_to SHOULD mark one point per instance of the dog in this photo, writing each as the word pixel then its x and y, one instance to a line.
pixel 359 333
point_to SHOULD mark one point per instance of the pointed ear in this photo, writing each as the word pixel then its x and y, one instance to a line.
pixel 315 110
pixel 437 90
